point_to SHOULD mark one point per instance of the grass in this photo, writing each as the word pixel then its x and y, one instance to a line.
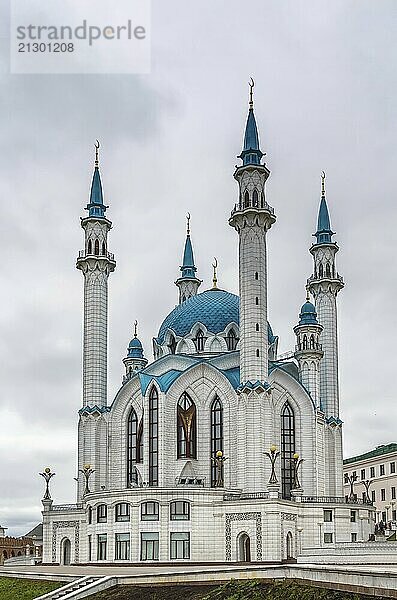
pixel 12 588
pixel 233 590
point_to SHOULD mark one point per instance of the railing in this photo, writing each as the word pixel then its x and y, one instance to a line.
pixel 248 496
pixel 285 356
pixel 335 500
pixel 64 507
pixel 109 255
pixel 195 481
pixel 241 207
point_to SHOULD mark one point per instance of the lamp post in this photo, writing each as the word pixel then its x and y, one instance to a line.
pixel 351 479
pixel 87 471
pixel 47 475
pixel 299 530
pixel 387 507
pixel 219 460
pixel 296 464
pixel 367 483
pixel 272 455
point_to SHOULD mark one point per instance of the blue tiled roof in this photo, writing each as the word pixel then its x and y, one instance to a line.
pixel 308 315
pixel 96 207
pixel 251 153
pixel 135 349
pixel 324 233
pixel 188 268
pixel 213 308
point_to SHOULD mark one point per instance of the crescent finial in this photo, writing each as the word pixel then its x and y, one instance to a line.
pixel 188 223
pixel 135 328
pixel 97 146
pixel 323 183
pixel 251 84
pixel 214 266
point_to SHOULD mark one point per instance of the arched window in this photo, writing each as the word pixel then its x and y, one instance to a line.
pixel 320 271
pixel 153 437
pixel 257 327
pixel 172 344
pixel 256 275
pixel 287 449
pixel 257 300
pixel 89 515
pixel 134 446
pixel 103 248
pixel 312 342
pixel 96 248
pixel 255 199
pixel 231 340
pixel 102 513
pixel 89 247
pixel 186 427
pixel 262 200
pixel 305 342
pixel 199 341
pixel 328 270
pixel 246 199
pixel 216 435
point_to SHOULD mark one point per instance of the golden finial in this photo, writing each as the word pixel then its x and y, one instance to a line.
pixel 97 153
pixel 323 183
pixel 251 84
pixel 135 328
pixel 188 224
pixel 214 279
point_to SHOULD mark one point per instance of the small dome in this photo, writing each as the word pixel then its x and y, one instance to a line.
pixel 135 349
pixel 308 315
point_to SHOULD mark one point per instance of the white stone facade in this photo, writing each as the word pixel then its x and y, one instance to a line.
pixel 182 458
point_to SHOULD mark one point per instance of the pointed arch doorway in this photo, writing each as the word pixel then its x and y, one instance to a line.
pixel 66 550
pixel 244 548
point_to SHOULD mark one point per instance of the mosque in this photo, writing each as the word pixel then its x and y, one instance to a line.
pixel 217 449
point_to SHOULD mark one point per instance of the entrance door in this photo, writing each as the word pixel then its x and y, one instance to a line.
pixel 244 548
pixel 290 552
pixel 66 552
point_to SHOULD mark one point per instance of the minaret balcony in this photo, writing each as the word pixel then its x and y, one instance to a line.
pixel 241 207
pixel 337 277
pixel 308 348
pixel 107 255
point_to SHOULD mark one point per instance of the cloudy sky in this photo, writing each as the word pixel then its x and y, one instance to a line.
pixel 324 99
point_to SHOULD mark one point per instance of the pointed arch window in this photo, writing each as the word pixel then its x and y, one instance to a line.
pixel 89 247
pixel 199 341
pixel 320 271
pixel 255 199
pixel 305 342
pixel 262 200
pixel 103 249
pixel 186 427
pixel 328 270
pixel 96 248
pixel 134 446
pixel 172 344
pixel 231 340
pixel 153 437
pixel 287 449
pixel 216 435
pixel 246 199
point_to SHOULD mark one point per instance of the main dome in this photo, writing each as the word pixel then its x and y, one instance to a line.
pixel 215 309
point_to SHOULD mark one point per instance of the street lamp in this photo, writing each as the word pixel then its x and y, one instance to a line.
pixel 296 464
pixel 87 471
pixel 218 460
pixel 351 479
pixel 272 456
pixel 47 475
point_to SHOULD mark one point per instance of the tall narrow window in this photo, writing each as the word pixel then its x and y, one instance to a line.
pixel 231 340
pixel 96 248
pixel 186 427
pixel 216 435
pixel 172 344
pixel 153 437
pixel 246 199
pixel 103 248
pixel 255 198
pixel 199 341
pixel 287 449
pixel 89 247
pixel 134 446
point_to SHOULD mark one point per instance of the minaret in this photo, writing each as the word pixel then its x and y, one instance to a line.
pixel 308 350
pixel 251 218
pixel 188 283
pixel 96 263
pixel 324 285
pixel 135 360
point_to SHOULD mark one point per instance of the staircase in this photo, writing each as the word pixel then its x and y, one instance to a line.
pixel 81 588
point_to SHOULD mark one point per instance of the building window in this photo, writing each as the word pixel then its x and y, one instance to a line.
pixel 122 512
pixel 186 427
pixel 231 340
pixel 255 199
pixel 153 437
pixel 393 514
pixel 180 545
pixel 101 546
pixel 149 545
pixel 199 341
pixel 328 538
pixel 354 474
pixel 122 546
pixel 327 516
pixel 373 495
pixel 372 472
pixel 216 436
pixel 346 478
pixel 172 344
pixel 89 515
pixel 150 511
pixel 89 548
pixel 384 516
pixel 246 200
pixel 381 469
pixel 362 473
pixel 383 494
pixel 96 248
pixel 257 327
pixel 89 247
pixel 354 537
pixel 179 511
pixel 102 513
pixel 256 275
pixel 393 493
pixel 392 467
pixel 353 516
pixel 287 449
pixel 134 446
pixel 257 300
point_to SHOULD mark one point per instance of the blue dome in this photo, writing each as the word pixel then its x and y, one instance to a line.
pixel 135 349
pixel 215 309
pixel 308 315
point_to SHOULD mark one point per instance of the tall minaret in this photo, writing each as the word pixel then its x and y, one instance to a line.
pixel 324 285
pixel 188 283
pixel 96 263
pixel 251 218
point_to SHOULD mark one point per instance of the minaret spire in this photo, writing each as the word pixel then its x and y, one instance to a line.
pixel 96 206
pixel 188 283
